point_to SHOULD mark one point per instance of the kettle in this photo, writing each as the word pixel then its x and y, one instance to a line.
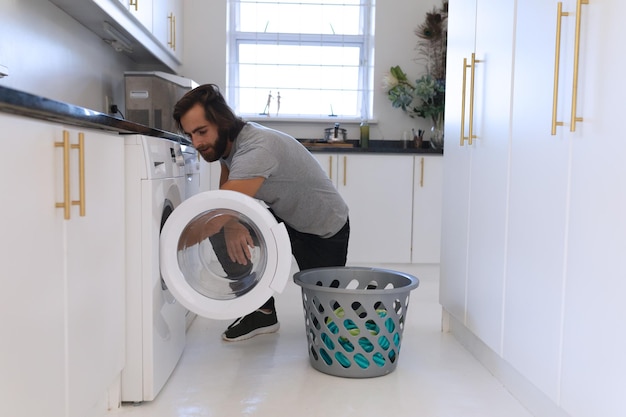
pixel 335 134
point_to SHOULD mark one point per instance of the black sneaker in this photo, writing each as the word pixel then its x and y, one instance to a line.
pixel 255 323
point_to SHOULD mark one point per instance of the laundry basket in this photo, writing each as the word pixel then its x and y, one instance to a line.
pixel 354 318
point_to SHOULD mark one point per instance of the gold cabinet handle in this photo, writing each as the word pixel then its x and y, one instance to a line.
pixel 345 169
pixel 134 3
pixel 471 135
pixel 65 205
pixel 81 174
pixel 422 173
pixel 465 67
pixel 330 167
pixel 172 41
pixel 575 119
pixel 472 67
pixel 557 59
pixel 174 32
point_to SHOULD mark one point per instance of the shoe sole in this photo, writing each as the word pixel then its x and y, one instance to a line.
pixel 261 330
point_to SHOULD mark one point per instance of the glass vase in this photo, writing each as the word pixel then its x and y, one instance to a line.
pixel 436 132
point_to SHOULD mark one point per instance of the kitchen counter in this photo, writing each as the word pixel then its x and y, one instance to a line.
pixel 30 105
pixel 375 146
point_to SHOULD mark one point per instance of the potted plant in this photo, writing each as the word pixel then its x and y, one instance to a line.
pixel 425 97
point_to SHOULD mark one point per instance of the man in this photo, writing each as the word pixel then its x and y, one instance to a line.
pixel 273 167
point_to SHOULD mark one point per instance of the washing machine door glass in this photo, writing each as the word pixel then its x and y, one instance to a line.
pixel 223 254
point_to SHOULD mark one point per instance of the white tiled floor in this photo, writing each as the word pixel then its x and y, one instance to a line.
pixel 270 375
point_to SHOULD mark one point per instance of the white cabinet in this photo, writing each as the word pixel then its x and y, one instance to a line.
pixel 476 166
pixel 533 227
pixel 456 162
pixel 427 186
pixel 379 192
pixel 168 25
pixel 63 279
pixel 141 10
pixel 593 306
pixel 152 28
pixel 539 177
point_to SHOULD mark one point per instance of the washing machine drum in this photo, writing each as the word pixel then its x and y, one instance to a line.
pixel 194 259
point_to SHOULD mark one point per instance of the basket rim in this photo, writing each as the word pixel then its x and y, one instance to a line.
pixel 414 281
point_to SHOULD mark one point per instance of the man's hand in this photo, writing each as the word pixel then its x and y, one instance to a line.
pixel 238 242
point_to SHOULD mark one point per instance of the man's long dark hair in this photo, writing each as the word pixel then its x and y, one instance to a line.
pixel 215 109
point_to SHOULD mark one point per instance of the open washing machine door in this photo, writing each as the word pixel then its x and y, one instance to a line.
pixel 194 261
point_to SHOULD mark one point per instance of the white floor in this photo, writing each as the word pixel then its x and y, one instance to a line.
pixel 270 375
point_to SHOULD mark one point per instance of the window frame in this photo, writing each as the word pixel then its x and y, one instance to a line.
pixel 364 42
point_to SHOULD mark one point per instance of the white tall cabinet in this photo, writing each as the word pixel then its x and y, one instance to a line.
pixel 475 169
pixel 593 307
pixel 533 226
pixel 539 181
pixel 63 278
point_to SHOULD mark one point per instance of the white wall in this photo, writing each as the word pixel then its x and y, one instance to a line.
pixel 395 42
pixel 50 54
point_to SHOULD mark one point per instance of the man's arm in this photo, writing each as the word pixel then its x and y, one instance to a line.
pixel 248 187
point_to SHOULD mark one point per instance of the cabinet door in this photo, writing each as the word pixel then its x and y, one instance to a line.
pixel 168 26
pixel 379 191
pixel 538 198
pixel 427 210
pixel 593 336
pixel 32 352
pixel 488 182
pixel 95 271
pixel 142 11
pixel 476 167
pixel 328 162
pixel 456 160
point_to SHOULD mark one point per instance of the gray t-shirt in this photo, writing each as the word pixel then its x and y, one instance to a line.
pixel 295 187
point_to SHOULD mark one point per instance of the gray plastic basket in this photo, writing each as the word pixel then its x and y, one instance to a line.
pixel 354 318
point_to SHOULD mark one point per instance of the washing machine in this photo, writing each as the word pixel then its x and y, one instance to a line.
pixel 192 170
pixel 173 265
pixel 155 321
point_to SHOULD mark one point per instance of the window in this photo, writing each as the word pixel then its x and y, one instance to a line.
pixel 301 58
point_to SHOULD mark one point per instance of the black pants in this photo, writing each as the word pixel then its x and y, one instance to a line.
pixel 310 251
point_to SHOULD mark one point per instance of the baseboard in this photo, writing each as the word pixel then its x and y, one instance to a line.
pixel 534 400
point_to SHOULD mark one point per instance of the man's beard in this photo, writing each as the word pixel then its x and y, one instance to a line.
pixel 216 151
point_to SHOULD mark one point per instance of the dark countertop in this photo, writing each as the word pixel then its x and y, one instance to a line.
pixel 31 105
pixel 375 146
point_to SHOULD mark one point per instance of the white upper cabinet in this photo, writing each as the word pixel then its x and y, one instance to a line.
pixel 168 25
pixel 142 10
pixel 150 32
